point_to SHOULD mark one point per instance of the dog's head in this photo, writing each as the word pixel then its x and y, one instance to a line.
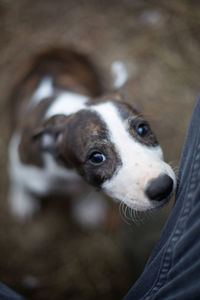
pixel 113 148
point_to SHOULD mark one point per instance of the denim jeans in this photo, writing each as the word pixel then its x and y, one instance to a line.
pixel 8 294
pixel 173 269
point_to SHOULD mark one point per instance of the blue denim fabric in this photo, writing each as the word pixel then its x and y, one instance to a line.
pixel 8 294
pixel 173 269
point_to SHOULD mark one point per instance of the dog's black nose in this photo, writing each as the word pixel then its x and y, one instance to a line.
pixel 159 188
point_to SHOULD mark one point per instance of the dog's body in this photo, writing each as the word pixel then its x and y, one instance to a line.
pixel 68 133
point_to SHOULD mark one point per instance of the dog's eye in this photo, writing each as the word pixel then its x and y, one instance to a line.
pixel 97 158
pixel 143 129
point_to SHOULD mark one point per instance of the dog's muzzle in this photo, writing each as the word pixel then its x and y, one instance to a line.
pixel 159 188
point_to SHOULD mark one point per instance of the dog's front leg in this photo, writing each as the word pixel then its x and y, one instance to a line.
pixel 90 210
pixel 23 204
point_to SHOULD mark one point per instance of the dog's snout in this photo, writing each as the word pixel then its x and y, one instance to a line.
pixel 159 188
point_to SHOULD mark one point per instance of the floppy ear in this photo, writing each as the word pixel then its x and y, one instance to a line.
pixel 50 133
pixel 115 95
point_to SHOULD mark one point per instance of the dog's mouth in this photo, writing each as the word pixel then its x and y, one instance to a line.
pixel 148 205
pixel 157 194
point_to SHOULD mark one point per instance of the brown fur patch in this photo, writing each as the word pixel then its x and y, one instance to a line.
pixel 69 70
pixel 130 114
pixel 86 133
pixel 29 148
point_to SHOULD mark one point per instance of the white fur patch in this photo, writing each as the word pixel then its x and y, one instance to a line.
pixel 36 179
pixel 119 73
pixel 44 90
pixel 23 204
pixel 90 210
pixel 140 163
pixel 67 103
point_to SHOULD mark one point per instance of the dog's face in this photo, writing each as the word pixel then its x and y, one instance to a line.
pixel 113 148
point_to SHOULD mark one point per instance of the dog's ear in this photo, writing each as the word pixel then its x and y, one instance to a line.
pixel 49 134
pixel 115 95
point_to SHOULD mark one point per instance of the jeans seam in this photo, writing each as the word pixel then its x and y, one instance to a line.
pixel 167 257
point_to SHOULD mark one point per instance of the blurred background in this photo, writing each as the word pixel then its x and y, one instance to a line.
pixel 51 257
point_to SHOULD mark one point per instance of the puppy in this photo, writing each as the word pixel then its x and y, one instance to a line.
pixel 69 137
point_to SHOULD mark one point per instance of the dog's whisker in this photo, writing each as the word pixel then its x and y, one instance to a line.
pixel 133 216
pixel 125 213
pixel 121 212
pixel 136 216
pixel 139 217
pixel 129 215
pixel 174 167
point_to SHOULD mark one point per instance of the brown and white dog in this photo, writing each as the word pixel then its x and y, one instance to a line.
pixel 68 135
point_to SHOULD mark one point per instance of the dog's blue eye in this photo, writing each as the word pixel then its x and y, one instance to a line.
pixel 143 129
pixel 97 158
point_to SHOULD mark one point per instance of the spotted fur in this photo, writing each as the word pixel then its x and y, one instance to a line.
pixel 65 121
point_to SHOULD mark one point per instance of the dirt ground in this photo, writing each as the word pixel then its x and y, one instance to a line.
pixel 50 257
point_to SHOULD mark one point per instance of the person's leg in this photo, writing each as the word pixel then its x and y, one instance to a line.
pixel 173 270
pixel 7 294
